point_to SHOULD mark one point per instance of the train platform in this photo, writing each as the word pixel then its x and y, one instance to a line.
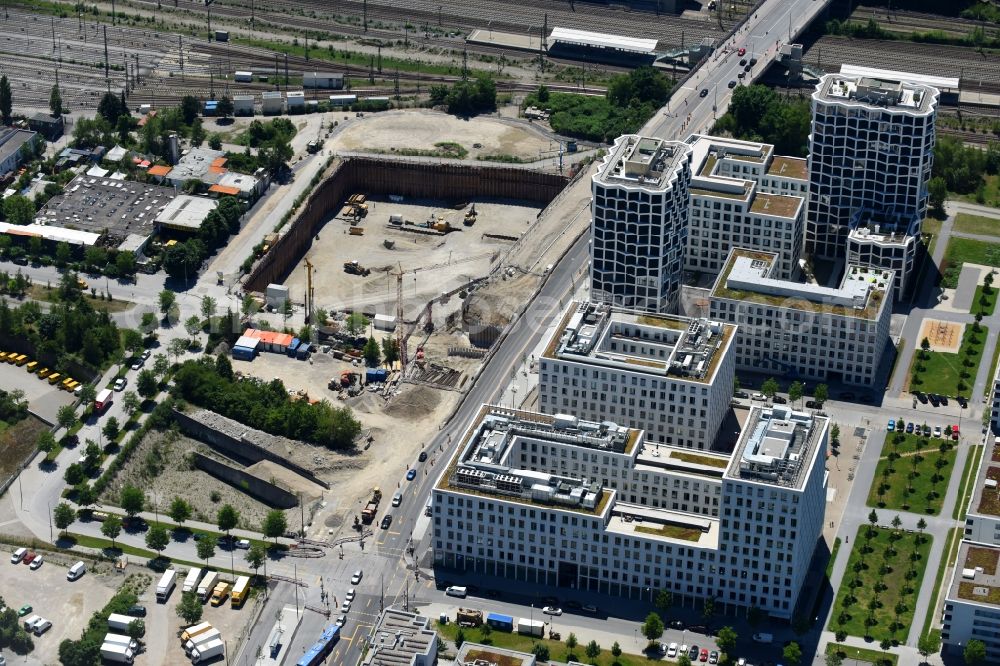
pixel 505 40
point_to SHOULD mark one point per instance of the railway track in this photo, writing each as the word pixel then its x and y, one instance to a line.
pixel 907 22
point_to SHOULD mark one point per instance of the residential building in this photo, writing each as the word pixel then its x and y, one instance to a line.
pixel 802 330
pixel 592 505
pixel 670 376
pixel 972 603
pixel 13 144
pixel 871 149
pixel 399 637
pixel 639 223
pixel 744 196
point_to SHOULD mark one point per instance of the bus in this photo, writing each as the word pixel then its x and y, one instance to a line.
pixel 103 400
pixel 322 648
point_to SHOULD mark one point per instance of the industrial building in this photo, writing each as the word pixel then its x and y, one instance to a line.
pixel 239 185
pixel 871 148
pixel 400 637
pixel 744 196
pixel 802 330
pixel 272 102
pixel 592 505
pixel 201 164
pixel 51 127
pixel 12 147
pixel 243 105
pixel 295 100
pixel 323 80
pixel 639 225
pixel 185 213
pixel 669 376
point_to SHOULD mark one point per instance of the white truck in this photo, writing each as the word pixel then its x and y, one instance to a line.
pixel 201 639
pixel 166 585
pixel 122 639
pixel 207 584
pixel 530 627
pixel 120 623
pixel 207 651
pixel 191 580
pixel 118 654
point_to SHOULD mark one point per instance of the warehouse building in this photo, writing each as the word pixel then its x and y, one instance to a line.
pixel 669 376
pixel 323 80
pixel 591 505
pixel 185 213
pixel 13 144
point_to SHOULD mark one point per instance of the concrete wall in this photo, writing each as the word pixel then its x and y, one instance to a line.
pixel 239 450
pixel 256 487
pixel 375 176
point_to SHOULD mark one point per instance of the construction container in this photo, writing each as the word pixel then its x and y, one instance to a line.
pixel 376 375
pixel 384 322
pixel 293 346
pixel 302 353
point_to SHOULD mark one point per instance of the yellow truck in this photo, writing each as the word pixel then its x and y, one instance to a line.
pixel 241 589
pixel 44 372
pixel 54 378
pixel 21 360
pixel 220 593
pixel 3 357
pixel 31 367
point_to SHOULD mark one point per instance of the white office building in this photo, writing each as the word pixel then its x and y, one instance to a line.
pixel 590 505
pixel 972 604
pixel 804 330
pixel 871 149
pixel 744 196
pixel 669 376
pixel 639 223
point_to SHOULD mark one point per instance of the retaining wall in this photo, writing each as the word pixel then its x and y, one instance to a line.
pixel 376 176
pixel 256 487
pixel 239 449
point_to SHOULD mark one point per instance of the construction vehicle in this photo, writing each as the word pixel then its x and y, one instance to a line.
pixel 469 617
pixel 355 268
pixel 368 513
pixel 470 217
pixel 314 146
pixel 438 224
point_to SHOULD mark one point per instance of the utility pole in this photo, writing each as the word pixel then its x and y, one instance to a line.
pixel 465 64
pixel 53 34
pixel 380 58
pixel 365 10
pixel 180 50
pixel 107 65
pixel 397 84
pixel 295 569
pixel 302 510
pixel 381 584
pixel 251 14
pixel 286 72
pixel 113 12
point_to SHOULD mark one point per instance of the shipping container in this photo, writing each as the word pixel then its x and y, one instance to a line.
pixel 302 353
pixel 293 346
pixel 501 622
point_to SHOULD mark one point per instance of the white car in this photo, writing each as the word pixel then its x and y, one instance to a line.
pixel 341 620
pixel 37 562
pixel 145 354
pixel 552 610
pixel 346 606
pixel 937 431
pixel 18 555
pixel 350 595
pixel 120 384
pixel 356 578
pixel 672 650
pixel 137 365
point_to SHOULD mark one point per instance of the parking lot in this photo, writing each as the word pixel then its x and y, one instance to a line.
pixel 43 398
pixel 67 605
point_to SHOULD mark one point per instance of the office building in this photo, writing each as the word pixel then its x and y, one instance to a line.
pixel 801 330
pixel 639 223
pixel 594 506
pixel 871 148
pixel 669 376
pixel 972 602
pixel 744 196
pixel 401 637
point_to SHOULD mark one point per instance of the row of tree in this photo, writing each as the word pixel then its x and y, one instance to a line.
pixel 182 260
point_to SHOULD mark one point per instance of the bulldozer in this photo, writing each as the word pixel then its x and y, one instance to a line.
pixel 355 268
pixel 470 217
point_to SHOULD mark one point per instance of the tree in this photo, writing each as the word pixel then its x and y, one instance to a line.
pixel 925 345
pixel 708 608
pixel 198 133
pixel 795 391
pixel 6 101
pixel 63 516
pixel 193 326
pixel 110 108
pixel 132 500
pixel 66 417
pixel 897 522
pixel 873 518
pixel 147 384
pixel 371 353
pixel 112 527
pixel 769 387
pixel 18 209
pixel 157 538
pixel 792 653
pixel 664 600
pixel 206 547
pixel 592 650
pixel 275 524
pixel 390 350
pixel 111 429
pixel 835 434
pixel 937 188
pixel 929 644
pixel 177 347
pixel 227 518
pixel 652 628
pixel 46 441
pixel 189 108
pixel 975 652
pixel 189 609
pixel 130 401
pixel 356 323
pixel 179 511
pixel 208 307
pixel 834 658
pixel 571 642
pixel 616 650
pixel 168 300
pixel 160 365
pixel 225 107
pixel 541 652
pixel 63 253
pixel 255 556
pixel 55 101
pixel 683 660
pixel 459 639
pixel 726 639
pixel 125 263
pixel 215 141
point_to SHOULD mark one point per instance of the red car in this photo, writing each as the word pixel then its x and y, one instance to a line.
pixel 954 432
pixel 29 557
pixel 704 655
pixel 742 52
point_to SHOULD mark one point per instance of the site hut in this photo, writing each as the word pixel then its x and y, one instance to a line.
pixel 243 105
pixel 399 637
pixel 296 101
pixel 743 195
pixel 323 80
pixel 602 47
pixel 272 103
pixel 669 376
pixel 871 149
pixel 184 214
pixel 13 144
pixel 804 330
pixel 342 100
pixel 593 506
pixel 243 76
pixel 639 225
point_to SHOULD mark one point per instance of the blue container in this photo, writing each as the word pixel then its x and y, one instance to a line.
pixel 302 352
pixel 501 622
pixel 294 345
pixel 243 353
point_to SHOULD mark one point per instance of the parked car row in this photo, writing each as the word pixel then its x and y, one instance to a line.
pixel 694 653
pixel 952 432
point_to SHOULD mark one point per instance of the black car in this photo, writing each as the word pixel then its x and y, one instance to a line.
pixel 943 399
pixel 741 75
pixel 732 84
pixel 743 61
pixel 813 404
pixel 743 394
pixel 962 402
pixel 387 521
pixel 747 68
pixel 136 611
pixel 753 61
pixel 422 457
pixel 694 652
pixel 933 399
pixel 676 624
pixel 778 400
pixel 704 92
pixel 921 396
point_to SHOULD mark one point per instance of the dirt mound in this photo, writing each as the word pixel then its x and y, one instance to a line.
pixel 496 303
pixel 285 478
pixel 413 402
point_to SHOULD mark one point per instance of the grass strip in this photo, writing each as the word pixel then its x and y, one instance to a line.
pixel 952 543
pixel 968 484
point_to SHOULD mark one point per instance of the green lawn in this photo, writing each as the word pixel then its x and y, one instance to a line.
pixel 942 372
pixel 833 557
pixel 983 302
pixel 557 649
pixel 931 227
pixel 119 548
pixel 991 192
pixel 871 578
pixel 934 607
pixel 861 654
pixel 977 224
pixel 912 482
pixel 967 486
pixel 966 250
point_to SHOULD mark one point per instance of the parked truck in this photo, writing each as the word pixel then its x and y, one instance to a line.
pixel 191 580
pixel 469 617
pixel 202 639
pixel 530 627
pixel 166 585
pixel 207 651
pixel 122 639
pixel 117 654
pixel 368 513
pixel 220 593
pixel 240 591
pixel 195 630
pixel 120 623
pixel 207 584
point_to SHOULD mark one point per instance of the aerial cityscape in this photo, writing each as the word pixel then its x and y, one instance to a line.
pixel 570 332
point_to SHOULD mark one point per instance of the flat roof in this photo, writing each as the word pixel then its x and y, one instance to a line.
pixel 986 495
pixel 202 164
pixel 975 578
pixel 789 167
pixel 874 93
pixel 240 181
pixel 643 162
pixel 186 212
pixel 686 529
pixel 776 205
pixel 399 638
pixel 946 82
pixel 602 40
pixel 777 446
pixel 476 653
pixel 55 234
pixel 11 140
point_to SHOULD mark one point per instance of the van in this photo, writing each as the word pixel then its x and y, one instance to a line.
pixel 29 623
pixel 457 591
pixel 762 637
pixel 41 627
pixel 428 509
pixel 76 571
